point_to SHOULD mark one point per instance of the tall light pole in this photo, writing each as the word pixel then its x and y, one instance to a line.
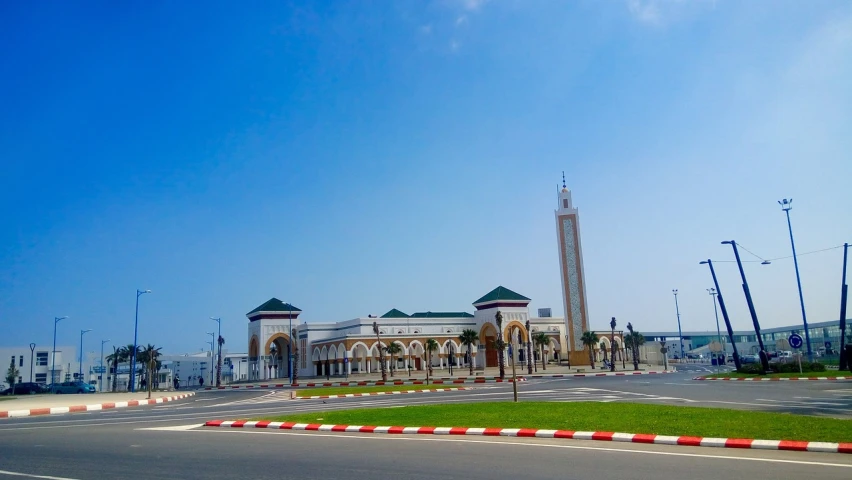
pixel 135 346
pixel 32 354
pixel 80 373
pixel 764 361
pixel 844 290
pixel 529 350
pixel 724 313
pixel 291 364
pixel 786 205
pixel 101 381
pixel 53 361
pixel 612 345
pixel 219 356
pixel 212 354
pixel 712 292
pixel 679 331
pixel 381 355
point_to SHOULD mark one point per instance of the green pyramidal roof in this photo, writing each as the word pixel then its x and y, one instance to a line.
pixel 394 313
pixel 275 305
pixel 501 293
pixel 441 315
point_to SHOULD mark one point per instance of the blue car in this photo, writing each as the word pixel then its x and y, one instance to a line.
pixel 72 387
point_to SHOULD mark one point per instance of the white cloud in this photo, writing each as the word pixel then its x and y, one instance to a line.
pixel 473 5
pixel 426 29
pixel 455 45
pixel 660 12
pixel 645 11
pixel 461 20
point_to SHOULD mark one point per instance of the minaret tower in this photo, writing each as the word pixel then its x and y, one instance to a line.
pixel 573 278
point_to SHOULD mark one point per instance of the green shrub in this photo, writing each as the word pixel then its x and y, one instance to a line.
pixel 813 367
pixel 750 368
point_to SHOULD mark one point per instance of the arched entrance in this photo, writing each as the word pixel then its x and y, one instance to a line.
pixel 488 338
pixel 278 350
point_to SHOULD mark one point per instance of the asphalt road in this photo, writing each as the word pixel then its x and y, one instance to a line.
pixel 165 441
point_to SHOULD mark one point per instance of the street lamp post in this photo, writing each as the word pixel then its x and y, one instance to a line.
pixel 786 205
pixel 135 340
pixel 844 290
pixel 381 355
pixel 219 355
pixel 724 313
pixel 80 372
pixel 101 380
pixel 612 345
pixel 529 350
pixel 212 354
pixel 53 361
pixel 712 292
pixel 679 331
pixel 764 361
pixel 634 348
pixel 32 354
pixel 291 364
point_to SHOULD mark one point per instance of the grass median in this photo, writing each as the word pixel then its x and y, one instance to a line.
pixel 827 373
pixel 595 416
pixel 312 392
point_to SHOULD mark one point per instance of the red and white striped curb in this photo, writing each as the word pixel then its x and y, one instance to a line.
pixel 364 384
pixel 367 394
pixel 603 374
pixel 90 408
pixel 774 379
pixel 566 434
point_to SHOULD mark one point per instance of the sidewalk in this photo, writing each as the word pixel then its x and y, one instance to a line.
pixel 460 375
pixel 48 404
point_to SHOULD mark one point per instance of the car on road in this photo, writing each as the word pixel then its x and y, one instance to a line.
pixel 26 388
pixel 72 387
pixel 749 359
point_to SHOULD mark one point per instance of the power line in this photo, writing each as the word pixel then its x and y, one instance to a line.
pixel 777 258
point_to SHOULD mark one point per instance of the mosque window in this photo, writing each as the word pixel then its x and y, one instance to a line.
pixel 564 203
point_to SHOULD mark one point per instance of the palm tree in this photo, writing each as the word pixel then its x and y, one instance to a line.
pixel 500 345
pixel 541 339
pixel 149 356
pixel 115 358
pixel 393 348
pixel 469 337
pixel 295 357
pixel 127 356
pixel 634 341
pixel 590 339
pixel 273 352
pixel 431 346
pixel 221 342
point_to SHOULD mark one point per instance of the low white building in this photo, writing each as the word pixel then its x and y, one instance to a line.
pixel 351 346
pixel 34 365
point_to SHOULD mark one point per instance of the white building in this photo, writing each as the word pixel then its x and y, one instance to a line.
pixel 34 365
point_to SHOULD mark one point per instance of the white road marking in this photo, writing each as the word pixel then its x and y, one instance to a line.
pixel 29 475
pixel 175 428
pixel 425 438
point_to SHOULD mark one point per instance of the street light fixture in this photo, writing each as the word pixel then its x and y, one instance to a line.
pixel 53 361
pixel 712 292
pixel 212 353
pixel 764 361
pixel 219 355
pixel 844 290
pixel 529 350
pixel 135 340
pixel 612 345
pixel 32 354
pixel 101 380
pixel 786 206
pixel 724 313
pixel 80 373
pixel 679 331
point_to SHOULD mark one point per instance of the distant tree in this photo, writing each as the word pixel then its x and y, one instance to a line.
pixel 541 339
pixel 431 346
pixel 590 340
pixel 295 357
pixel 500 345
pixel 468 338
pixel 393 349
pixel 12 375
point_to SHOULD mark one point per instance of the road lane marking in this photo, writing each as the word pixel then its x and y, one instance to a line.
pixel 175 428
pixel 396 438
pixel 29 475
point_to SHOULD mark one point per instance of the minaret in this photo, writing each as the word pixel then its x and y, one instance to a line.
pixel 571 273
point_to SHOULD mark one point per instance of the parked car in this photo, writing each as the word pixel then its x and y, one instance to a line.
pixel 26 388
pixel 72 387
pixel 749 359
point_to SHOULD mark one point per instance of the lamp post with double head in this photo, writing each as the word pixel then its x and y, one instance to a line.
pixel 56 320
pixel 381 354
pixel 219 354
pixel 32 353
pixel 764 361
pixel 786 206
pixel 679 331
pixel 101 379
pixel 139 293
pixel 721 301
pixel 612 345
pixel 712 292
pixel 529 350
pixel 80 372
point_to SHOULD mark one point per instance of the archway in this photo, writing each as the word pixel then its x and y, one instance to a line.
pixel 278 350
pixel 488 338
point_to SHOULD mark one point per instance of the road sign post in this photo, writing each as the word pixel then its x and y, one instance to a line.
pixel 796 342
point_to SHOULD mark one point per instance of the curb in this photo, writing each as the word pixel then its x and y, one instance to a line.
pixel 566 434
pixel 363 384
pixel 89 408
pixel 775 379
pixel 368 394
pixel 606 374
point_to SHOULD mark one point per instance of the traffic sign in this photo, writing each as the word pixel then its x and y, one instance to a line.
pixel 782 344
pixel 715 347
pixel 664 350
pixel 795 340
pixel 828 345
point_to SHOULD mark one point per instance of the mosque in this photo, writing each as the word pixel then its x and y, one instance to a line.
pixel 353 346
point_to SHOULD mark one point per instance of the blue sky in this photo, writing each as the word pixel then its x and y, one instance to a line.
pixel 352 157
